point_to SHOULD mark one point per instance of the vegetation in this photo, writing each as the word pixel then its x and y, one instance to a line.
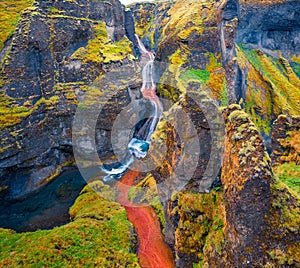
pixel 289 174
pixel 183 21
pixel 273 87
pixel 201 224
pixel 9 17
pixel 99 235
pixel 285 214
pixel 101 49
pixel 195 75
pixel 11 113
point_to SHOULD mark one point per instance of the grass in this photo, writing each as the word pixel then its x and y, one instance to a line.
pixel 195 75
pixel 289 174
pixel 98 236
pixel 9 17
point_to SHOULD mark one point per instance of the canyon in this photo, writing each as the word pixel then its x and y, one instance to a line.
pixel 219 185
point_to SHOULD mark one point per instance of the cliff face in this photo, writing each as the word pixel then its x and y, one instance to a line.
pixel 230 51
pixel 241 51
pixel 149 20
pixel 58 52
pixel 251 220
pixel 68 55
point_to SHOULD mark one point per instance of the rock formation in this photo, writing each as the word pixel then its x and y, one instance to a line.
pixel 49 64
pixel 222 201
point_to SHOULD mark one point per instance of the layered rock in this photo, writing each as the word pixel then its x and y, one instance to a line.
pixel 62 53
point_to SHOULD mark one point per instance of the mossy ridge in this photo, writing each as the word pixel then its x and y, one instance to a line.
pixel 271 91
pixel 286 85
pixel 92 239
pixel 212 77
pixel 145 192
pixel 201 224
pixel 101 49
pixel 9 17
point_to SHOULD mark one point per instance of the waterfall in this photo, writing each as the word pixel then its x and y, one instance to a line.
pixel 139 145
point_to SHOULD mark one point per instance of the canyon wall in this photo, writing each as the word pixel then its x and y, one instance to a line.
pixel 61 54
pixel 228 52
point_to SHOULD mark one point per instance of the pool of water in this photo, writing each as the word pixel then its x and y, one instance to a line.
pixel 45 209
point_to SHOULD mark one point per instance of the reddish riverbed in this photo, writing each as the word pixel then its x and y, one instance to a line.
pixel 153 252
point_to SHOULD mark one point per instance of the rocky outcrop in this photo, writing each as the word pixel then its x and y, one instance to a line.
pixel 149 20
pixel 245 212
pixel 246 176
pixel 285 140
pixel 62 53
pixel 211 41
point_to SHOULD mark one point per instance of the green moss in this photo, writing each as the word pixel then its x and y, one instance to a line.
pixel 195 75
pixel 224 98
pixel 9 17
pixel 296 68
pixel 286 202
pixel 289 174
pixel 102 50
pixel 99 235
pixel 273 87
pixel 10 113
pixel 201 224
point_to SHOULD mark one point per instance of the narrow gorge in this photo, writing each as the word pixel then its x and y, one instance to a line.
pixel 157 134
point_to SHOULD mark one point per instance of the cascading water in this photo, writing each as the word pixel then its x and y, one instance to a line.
pixel 139 145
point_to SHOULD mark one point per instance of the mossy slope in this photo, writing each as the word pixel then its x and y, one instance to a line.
pixel 99 235
pixel 272 87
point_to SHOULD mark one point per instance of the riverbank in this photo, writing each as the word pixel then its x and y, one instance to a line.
pixel 152 250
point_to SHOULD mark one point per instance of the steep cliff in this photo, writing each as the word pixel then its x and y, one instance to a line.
pixel 241 51
pixel 59 56
pixel 221 200
pixel 252 220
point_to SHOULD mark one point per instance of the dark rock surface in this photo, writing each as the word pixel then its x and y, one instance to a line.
pixel 41 74
pixel 270 25
pixel 246 176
